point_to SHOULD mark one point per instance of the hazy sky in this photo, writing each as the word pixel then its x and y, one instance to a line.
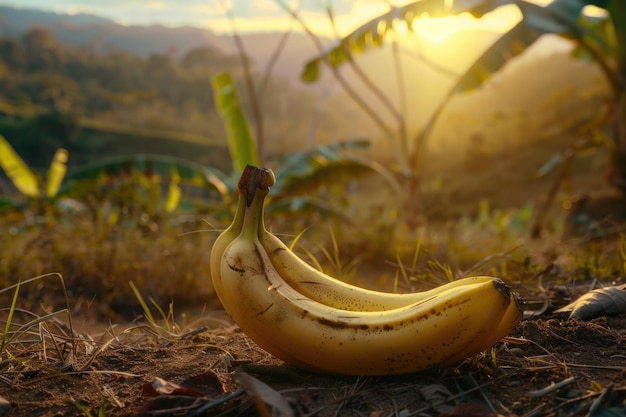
pixel 251 15
pixel 211 14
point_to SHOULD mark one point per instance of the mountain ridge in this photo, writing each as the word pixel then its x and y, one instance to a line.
pixel 105 35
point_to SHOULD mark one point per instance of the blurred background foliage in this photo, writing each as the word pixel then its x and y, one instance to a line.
pixel 396 194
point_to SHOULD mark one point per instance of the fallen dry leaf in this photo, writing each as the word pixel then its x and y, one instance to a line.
pixel 262 395
pixel 163 395
pixel 606 301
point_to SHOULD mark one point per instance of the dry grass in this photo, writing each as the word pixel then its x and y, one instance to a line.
pixel 98 263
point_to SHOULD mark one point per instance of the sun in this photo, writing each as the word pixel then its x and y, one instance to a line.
pixel 437 30
pixel 433 30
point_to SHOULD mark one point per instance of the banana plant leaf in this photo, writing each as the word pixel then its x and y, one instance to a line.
pixel 559 17
pixel 182 170
pixel 301 172
pixel 56 173
pixel 600 31
pixel 511 44
pixel 16 169
pixel 174 193
pixel 302 204
pixel 324 172
pixel 301 163
pixel 242 146
pixel 8 204
pixel 371 34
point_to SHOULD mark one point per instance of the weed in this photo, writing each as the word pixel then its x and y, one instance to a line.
pixel 169 328
pixel 86 411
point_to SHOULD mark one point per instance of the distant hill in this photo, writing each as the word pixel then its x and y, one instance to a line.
pixel 104 35
pixel 545 77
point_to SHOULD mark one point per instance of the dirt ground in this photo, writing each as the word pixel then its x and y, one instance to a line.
pixel 548 366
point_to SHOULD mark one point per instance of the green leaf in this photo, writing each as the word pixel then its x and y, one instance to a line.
pixel 326 172
pixel 7 204
pixel 560 16
pixel 304 171
pixel 305 204
pixel 311 71
pixel 242 146
pixel 509 45
pixel 186 171
pixel 555 161
pixel 16 169
pixel 174 192
pixel 600 32
pixel 302 163
pixel 146 163
pixel 56 173
pixel 371 34
pixel 617 13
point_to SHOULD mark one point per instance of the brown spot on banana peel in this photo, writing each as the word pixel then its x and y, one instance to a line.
pixel 332 323
pixel 278 250
pixel 265 310
pixel 236 269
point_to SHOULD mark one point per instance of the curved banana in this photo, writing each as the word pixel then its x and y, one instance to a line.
pixel 426 334
pixel 336 293
pixel 303 277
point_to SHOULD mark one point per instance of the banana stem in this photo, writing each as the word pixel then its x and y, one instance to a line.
pixel 237 223
pixel 253 178
pixel 254 185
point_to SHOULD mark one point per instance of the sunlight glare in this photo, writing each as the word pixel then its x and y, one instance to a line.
pixel 400 27
pixel 594 11
pixel 438 29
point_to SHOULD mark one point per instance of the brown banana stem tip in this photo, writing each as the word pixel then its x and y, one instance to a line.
pixel 253 178
pixel 502 288
pixel 519 302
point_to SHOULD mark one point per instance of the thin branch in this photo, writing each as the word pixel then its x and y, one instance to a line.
pixel 421 57
pixel 399 142
pixel 359 72
pixel 402 130
pixel 342 81
pixel 317 115
pixel 270 65
pixel 252 94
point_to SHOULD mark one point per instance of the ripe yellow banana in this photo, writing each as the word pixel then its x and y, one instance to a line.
pixel 435 331
pixel 306 279
pixel 336 293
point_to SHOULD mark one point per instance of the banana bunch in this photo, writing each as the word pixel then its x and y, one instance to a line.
pixel 314 321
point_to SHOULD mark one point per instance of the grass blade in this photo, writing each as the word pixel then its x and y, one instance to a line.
pixel 7 325
pixel 144 306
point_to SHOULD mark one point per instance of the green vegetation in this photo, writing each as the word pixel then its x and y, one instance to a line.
pixel 118 172
pixel 122 212
pixel 598 38
pixel 57 96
